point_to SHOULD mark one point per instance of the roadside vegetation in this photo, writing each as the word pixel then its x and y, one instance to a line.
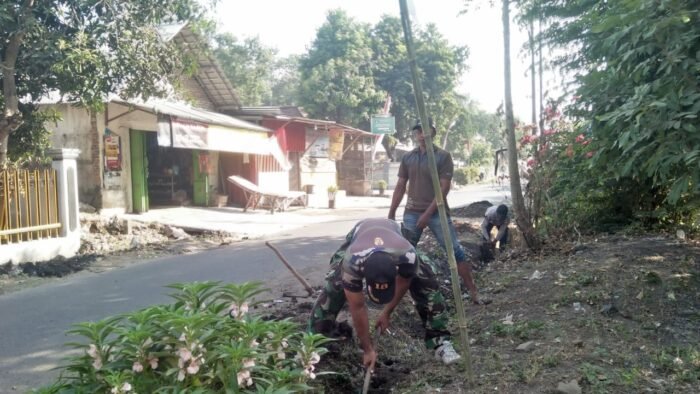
pixel 606 301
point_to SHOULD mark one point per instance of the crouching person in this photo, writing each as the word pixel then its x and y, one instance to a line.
pixel 376 252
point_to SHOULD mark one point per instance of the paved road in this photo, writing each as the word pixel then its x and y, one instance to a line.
pixel 33 321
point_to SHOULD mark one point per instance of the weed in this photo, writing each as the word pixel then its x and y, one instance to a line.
pixel 527 373
pixel 595 376
pixel 630 378
pixel 682 363
pixel 584 279
pixel 551 360
pixel 652 278
pixel 522 330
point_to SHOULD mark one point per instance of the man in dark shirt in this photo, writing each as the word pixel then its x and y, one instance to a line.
pixel 375 251
pixel 421 206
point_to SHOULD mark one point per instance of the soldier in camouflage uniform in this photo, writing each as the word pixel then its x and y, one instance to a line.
pixel 375 250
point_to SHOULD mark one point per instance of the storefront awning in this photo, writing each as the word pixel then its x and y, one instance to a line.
pixel 181 126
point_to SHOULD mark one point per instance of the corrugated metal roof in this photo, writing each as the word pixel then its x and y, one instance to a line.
pixel 270 110
pixel 277 112
pixel 192 113
pixel 209 74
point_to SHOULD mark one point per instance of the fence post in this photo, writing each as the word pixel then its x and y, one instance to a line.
pixel 64 162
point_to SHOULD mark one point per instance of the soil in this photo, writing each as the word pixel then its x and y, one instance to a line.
pixel 615 313
pixel 608 314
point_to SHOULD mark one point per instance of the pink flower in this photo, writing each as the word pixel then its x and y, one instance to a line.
pixel 153 361
pixel 97 364
pixel 137 367
pixel 181 375
pixel 586 142
pixel 126 387
pixel 243 377
pixel 248 362
pixel 530 162
pixel 184 354
pixel 315 358
pixel 590 154
pixel 549 132
pixel 193 368
pixel 580 138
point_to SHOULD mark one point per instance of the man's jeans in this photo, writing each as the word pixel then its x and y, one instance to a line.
pixel 410 221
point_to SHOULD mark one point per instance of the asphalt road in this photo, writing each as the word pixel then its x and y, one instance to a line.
pixel 33 321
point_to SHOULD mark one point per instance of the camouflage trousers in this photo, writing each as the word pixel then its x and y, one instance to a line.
pixel 424 289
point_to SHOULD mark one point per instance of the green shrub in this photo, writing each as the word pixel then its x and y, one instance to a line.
pixel 204 342
pixel 466 175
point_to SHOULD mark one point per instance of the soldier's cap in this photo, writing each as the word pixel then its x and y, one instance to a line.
pixel 380 274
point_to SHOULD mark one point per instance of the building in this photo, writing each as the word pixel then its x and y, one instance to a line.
pixel 136 155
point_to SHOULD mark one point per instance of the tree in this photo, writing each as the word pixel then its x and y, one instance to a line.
pixel 249 65
pixel 336 74
pixel 521 217
pixel 285 81
pixel 634 64
pixel 439 64
pixel 85 50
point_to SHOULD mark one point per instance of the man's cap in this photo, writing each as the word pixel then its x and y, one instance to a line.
pixel 419 125
pixel 380 274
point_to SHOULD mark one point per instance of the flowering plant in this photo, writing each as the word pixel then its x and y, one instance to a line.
pixel 206 341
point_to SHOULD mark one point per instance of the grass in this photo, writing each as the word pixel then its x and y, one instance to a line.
pixel 521 330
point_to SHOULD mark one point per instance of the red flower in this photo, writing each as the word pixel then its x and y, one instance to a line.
pixel 570 151
pixel 586 142
pixel 530 162
pixel 580 138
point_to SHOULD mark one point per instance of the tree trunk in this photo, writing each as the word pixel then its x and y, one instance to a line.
pixel 533 76
pixel 521 218
pixel 11 118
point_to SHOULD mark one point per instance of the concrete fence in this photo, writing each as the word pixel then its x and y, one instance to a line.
pixel 40 212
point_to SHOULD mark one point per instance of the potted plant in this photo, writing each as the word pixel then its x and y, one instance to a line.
pixel 381 185
pixel 332 190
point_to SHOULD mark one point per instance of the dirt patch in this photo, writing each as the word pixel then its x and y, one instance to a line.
pixel 108 243
pixel 613 314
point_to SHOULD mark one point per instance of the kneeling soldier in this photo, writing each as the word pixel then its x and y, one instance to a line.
pixel 376 251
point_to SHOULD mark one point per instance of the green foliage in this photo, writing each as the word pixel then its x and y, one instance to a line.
pixel 637 100
pixel 466 175
pixel 285 81
pixel 31 139
pixel 248 64
pixel 336 74
pixel 440 65
pixel 206 341
pixel 481 153
pixel 86 50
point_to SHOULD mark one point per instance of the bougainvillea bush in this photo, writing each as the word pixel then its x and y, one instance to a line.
pixel 204 342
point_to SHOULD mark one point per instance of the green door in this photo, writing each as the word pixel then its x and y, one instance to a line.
pixel 139 171
pixel 201 178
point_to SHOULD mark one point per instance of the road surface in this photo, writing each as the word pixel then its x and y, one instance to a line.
pixel 33 321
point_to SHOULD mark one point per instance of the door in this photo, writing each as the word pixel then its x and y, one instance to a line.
pixel 200 163
pixel 139 171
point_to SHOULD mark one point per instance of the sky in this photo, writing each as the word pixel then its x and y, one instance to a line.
pixel 290 26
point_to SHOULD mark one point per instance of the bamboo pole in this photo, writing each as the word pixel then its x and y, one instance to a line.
pixel 27 218
pixel 418 92
pixel 18 224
